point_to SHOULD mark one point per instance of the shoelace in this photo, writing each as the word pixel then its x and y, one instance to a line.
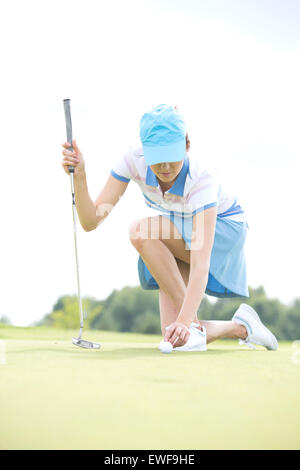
pixel 246 342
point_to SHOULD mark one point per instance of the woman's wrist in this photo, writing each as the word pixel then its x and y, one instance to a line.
pixel 79 174
pixel 186 321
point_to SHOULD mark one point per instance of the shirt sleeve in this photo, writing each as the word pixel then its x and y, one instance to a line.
pixel 205 193
pixel 122 170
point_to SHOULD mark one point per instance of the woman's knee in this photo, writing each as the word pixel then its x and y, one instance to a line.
pixel 151 228
pixel 138 232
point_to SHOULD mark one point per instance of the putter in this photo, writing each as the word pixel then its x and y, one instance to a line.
pixel 82 343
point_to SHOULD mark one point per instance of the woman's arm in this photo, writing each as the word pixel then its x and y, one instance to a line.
pixel 110 194
pixel 202 242
pixel 90 213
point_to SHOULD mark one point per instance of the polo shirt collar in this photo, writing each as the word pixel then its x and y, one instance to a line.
pixel 178 186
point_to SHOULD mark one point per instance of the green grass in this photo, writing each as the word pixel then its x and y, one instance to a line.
pixel 128 395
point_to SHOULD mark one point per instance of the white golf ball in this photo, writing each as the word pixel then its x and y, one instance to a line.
pixel 165 347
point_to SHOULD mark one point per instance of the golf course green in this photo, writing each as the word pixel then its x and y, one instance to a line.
pixel 128 395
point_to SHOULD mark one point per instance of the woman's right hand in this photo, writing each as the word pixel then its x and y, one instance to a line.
pixel 74 158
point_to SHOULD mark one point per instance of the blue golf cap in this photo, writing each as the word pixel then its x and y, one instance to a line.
pixel 162 133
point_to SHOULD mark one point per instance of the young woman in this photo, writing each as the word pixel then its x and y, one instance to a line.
pixel 194 245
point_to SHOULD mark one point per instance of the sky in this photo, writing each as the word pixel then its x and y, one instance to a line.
pixel 232 67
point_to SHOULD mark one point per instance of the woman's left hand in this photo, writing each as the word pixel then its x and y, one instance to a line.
pixel 177 334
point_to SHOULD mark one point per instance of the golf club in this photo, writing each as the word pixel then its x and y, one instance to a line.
pixel 77 341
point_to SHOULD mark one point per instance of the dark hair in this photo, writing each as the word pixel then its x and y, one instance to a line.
pixel 187 139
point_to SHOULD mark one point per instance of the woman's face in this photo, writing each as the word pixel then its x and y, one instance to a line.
pixel 167 172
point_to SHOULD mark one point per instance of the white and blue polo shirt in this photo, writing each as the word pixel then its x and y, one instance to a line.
pixel 195 189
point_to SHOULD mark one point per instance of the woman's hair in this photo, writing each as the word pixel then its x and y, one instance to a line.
pixel 188 142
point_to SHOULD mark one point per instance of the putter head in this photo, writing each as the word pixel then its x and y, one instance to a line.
pixel 82 343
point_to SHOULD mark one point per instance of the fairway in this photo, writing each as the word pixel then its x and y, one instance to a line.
pixel 128 395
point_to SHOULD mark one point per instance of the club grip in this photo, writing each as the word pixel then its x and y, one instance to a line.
pixel 68 119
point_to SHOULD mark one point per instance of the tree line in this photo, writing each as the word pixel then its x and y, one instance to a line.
pixel 133 309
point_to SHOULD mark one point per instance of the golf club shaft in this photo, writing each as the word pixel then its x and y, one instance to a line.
pixel 76 252
pixel 68 119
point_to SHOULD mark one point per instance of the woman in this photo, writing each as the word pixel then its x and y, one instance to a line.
pixel 196 242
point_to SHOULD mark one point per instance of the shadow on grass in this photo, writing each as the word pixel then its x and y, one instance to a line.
pixel 88 354
pixel 126 353
pixel 134 353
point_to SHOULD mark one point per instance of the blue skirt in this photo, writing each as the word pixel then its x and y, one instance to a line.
pixel 227 272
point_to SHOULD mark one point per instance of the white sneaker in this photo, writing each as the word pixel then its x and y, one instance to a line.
pixel 257 332
pixel 196 341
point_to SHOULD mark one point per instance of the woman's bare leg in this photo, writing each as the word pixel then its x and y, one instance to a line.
pixel 158 242
pixel 223 329
pixel 214 329
pixel 168 311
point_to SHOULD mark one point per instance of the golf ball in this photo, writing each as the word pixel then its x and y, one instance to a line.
pixel 165 347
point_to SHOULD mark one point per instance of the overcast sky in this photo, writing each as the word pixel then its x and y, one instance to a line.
pixel 233 67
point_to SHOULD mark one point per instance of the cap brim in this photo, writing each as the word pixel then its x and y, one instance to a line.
pixel 164 153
